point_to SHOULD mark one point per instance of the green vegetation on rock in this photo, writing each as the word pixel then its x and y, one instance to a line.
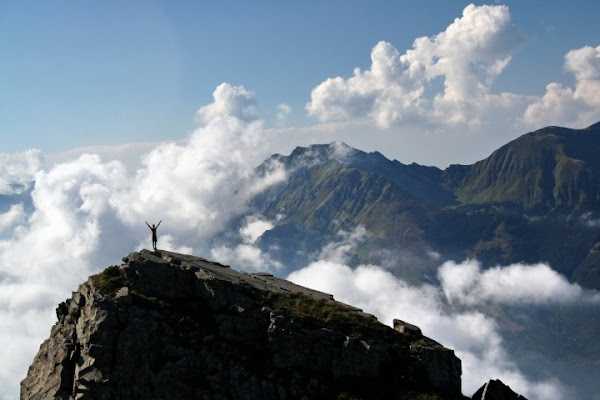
pixel 325 313
pixel 109 281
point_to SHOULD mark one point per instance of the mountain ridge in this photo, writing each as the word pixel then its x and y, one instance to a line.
pixel 517 205
pixel 550 168
pixel 174 326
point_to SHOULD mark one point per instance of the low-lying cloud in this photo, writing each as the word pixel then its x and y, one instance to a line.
pixel 467 284
pixel 247 254
pixel 473 334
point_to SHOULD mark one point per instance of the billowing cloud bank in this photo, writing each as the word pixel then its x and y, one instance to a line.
pixel 88 213
pixel 467 57
pixel 467 329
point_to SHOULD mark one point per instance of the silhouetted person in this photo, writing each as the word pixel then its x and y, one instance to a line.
pixel 153 229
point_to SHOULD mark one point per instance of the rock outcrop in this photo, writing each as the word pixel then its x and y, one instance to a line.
pixel 170 326
pixel 496 390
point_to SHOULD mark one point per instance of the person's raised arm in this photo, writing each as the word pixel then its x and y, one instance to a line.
pixel 148 224
pixel 159 223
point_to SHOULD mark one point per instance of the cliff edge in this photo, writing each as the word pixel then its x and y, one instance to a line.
pixel 165 326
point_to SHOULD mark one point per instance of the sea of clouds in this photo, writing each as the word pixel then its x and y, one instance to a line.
pixel 452 312
pixel 62 219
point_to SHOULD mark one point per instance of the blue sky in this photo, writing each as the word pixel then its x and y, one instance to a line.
pixel 104 73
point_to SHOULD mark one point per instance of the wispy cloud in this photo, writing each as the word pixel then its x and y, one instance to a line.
pixel 17 170
pixel 283 112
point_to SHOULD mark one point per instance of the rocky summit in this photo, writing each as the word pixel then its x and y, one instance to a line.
pixel 165 326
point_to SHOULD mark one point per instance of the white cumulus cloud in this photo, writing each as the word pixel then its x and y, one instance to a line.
pixel 577 106
pixel 466 283
pixel 48 256
pixel 468 56
pixel 444 83
pixel 229 100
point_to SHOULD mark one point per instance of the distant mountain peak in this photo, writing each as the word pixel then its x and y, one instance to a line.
pixel 334 151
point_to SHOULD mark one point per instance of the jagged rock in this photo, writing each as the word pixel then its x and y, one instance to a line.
pixel 406 328
pixel 170 326
pixel 496 390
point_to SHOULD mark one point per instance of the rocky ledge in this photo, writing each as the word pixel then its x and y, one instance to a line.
pixel 165 326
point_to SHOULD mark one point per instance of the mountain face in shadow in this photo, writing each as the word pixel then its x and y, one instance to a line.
pixel 536 198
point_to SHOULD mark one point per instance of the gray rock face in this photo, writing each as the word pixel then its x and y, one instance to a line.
pixel 170 326
pixel 496 390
